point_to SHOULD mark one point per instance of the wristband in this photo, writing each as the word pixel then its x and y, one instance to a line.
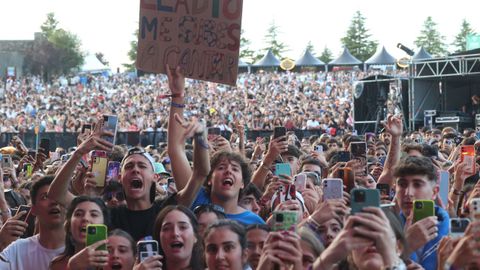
pixel 177 105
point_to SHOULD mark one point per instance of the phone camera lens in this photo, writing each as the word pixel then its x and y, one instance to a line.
pixel 360 196
pixel 418 205
pixel 92 230
pixel 279 218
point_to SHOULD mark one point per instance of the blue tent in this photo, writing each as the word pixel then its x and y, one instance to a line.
pixel 421 54
pixel 381 57
pixel 345 59
pixel 268 60
pixel 308 60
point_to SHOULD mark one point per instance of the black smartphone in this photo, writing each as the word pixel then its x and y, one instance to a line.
pixel 279 132
pixel 86 128
pixel 213 131
pixel 45 145
pixel 344 156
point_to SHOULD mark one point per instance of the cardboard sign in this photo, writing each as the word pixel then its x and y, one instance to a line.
pixel 201 36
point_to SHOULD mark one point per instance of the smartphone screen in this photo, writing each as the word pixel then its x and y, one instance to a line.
pixel 358 151
pixel 467 155
pixel 113 170
pixel 279 132
pixel 147 248
pixel 45 145
pixel 110 125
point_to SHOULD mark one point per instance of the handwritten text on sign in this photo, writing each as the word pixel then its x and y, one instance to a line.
pixel 201 36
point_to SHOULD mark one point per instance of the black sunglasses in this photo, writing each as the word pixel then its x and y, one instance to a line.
pixel 109 195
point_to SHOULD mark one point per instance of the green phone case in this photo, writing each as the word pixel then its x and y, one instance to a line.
pixel 95 233
pixel 284 220
pixel 361 198
pixel 423 209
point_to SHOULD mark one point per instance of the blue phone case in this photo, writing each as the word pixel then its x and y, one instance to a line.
pixel 283 169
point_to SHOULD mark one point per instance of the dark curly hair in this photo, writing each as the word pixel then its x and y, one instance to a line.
pixel 416 166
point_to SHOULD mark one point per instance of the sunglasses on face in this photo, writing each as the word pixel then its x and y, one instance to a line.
pixel 109 195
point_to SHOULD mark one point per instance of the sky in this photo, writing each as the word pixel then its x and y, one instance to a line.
pixel 107 26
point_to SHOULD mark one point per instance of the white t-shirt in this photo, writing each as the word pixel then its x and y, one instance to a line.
pixel 29 254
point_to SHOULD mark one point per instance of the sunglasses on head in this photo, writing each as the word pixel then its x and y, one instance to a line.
pixel 109 195
pixel 135 150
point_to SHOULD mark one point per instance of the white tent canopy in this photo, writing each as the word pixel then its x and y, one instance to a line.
pixel 93 65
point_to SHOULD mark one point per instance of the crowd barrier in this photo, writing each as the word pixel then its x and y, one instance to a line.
pixel 69 139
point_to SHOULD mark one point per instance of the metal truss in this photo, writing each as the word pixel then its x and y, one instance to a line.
pixel 459 65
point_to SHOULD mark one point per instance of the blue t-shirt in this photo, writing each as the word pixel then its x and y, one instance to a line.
pixel 245 218
pixel 426 256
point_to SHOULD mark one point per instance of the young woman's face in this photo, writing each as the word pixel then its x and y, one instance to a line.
pixel 329 230
pixel 223 250
pixel 120 253
pixel 204 220
pixel 85 213
pixel 177 236
pixel 227 179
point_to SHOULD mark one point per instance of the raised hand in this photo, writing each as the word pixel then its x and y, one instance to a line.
pixel 176 81
pixel 394 125
pixel 89 257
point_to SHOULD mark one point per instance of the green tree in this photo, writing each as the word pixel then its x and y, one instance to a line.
pixel 357 39
pixel 132 53
pixel 326 56
pixel 245 52
pixel 310 47
pixel 69 54
pixel 50 25
pixel 461 38
pixel 271 39
pixel 101 57
pixel 431 39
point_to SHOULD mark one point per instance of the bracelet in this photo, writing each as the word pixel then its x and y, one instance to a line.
pixel 177 105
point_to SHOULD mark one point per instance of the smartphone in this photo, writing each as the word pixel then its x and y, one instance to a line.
pixel 423 209
pixel 358 151
pixel 113 170
pixel 475 209
pixel 319 148
pixel 300 182
pixel 444 184
pixel 99 167
pixel 45 145
pixel 384 191
pixel 458 226
pixel 87 128
pixel 27 218
pixel 284 220
pixel 28 168
pixel 7 161
pixel 382 159
pixel 343 156
pixel 147 248
pixel 348 177
pixel 332 188
pixel 361 198
pixel 95 233
pixel 279 132
pixel 283 169
pixel 25 208
pixel 467 155
pixel 110 124
pixel 214 131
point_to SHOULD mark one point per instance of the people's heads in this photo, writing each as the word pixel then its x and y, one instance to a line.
pixel 365 181
pixel 83 210
pixel 366 258
pixel 413 149
pixel 113 194
pixel 436 134
pixel 230 173
pixel 176 230
pixel 137 175
pixel 24 190
pixel 380 152
pixel 333 144
pixel 329 230
pixel 256 236
pixel 292 156
pixel 312 165
pixel 311 246
pixel 385 137
pixel 48 212
pixel 249 198
pixel 121 250
pixel 448 142
pixel 225 245
pixel 415 180
pixel 208 214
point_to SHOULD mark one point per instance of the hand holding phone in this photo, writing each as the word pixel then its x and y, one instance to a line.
pixel 279 132
pixel 147 248
pixel 283 169
pixel 423 209
pixel 96 233
pixel 361 198
pixel 332 188
pixel 284 220
pixel 110 125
